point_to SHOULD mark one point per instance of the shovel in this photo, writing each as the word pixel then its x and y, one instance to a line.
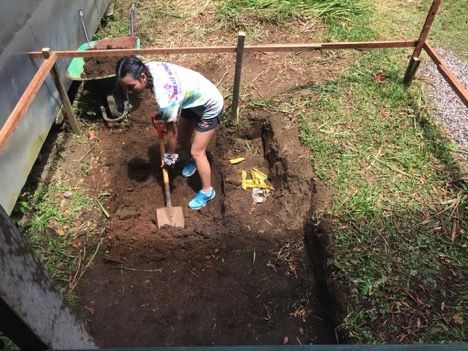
pixel 169 215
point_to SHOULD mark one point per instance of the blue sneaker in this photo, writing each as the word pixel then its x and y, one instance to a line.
pixel 190 168
pixel 201 199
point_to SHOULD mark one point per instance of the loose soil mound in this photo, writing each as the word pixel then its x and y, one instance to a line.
pixel 102 66
pixel 237 274
pixel 99 66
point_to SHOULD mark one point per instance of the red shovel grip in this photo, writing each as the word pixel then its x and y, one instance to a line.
pixel 158 125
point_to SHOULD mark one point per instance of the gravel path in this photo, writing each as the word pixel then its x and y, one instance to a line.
pixel 449 108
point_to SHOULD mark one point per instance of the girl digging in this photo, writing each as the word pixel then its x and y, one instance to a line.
pixel 188 104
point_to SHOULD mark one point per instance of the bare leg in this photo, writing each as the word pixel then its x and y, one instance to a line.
pixel 198 151
pixel 171 136
pixel 184 133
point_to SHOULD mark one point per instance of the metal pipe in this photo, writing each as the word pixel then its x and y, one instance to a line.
pixel 83 26
pixel 132 19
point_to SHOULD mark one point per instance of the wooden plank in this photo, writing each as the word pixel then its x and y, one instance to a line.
pixel 26 99
pixel 433 54
pixel 67 106
pixel 237 76
pixel 448 75
pixel 426 28
pixel 143 52
pixel 370 44
pixel 232 49
pixel 414 60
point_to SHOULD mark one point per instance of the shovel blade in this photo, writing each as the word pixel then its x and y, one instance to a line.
pixel 171 216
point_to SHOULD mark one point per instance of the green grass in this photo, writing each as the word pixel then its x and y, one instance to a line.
pixel 119 26
pixel 398 199
pixel 346 19
pixel 47 217
pixel 149 15
pixel 277 12
pixel 450 27
pixel 448 30
pixel 394 201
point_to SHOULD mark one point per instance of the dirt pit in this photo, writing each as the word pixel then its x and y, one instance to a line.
pixel 239 273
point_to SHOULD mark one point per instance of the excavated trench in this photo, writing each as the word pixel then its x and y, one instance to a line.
pixel 239 273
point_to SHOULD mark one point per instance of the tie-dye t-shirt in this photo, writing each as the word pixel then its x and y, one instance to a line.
pixel 177 88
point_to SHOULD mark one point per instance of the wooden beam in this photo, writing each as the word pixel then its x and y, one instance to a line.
pixel 67 106
pixel 414 60
pixel 143 52
pixel 449 76
pixel 426 28
pixel 232 49
pixel 26 99
pixel 237 76
pixel 370 44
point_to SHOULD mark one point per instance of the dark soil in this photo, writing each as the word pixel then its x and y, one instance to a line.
pixel 238 274
pixel 103 66
pixel 99 66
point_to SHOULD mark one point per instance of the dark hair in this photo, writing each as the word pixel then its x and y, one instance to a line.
pixel 129 65
pixel 134 66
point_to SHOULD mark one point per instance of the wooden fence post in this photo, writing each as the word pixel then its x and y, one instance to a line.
pixel 414 61
pixel 67 107
pixel 237 76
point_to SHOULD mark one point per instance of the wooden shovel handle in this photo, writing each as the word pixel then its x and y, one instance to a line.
pixel 167 192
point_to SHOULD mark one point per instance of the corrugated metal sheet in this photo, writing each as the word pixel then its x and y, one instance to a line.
pixel 31 25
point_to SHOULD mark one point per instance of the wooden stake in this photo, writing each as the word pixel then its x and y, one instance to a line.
pixel 414 61
pixel 67 107
pixel 411 70
pixel 237 76
pixel 26 99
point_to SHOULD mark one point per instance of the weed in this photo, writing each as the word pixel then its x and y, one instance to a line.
pixel 7 344
pixel 279 11
pixel 85 168
pixel 345 19
pixel 60 150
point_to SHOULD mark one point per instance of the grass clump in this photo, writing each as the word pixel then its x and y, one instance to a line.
pixel 337 14
pixel 277 12
pixel 47 218
pixel 401 245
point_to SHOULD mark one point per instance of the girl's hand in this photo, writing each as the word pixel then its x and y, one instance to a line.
pixel 170 159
